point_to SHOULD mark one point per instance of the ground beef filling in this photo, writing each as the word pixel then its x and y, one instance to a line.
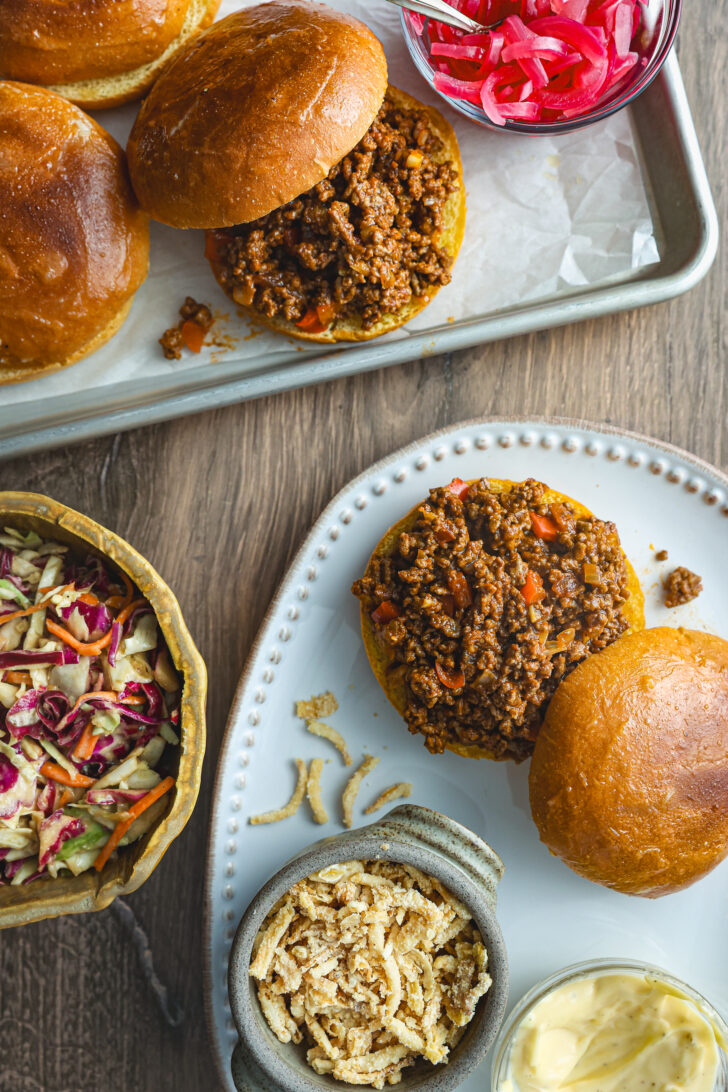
pixel 360 243
pixel 480 661
pixel 681 586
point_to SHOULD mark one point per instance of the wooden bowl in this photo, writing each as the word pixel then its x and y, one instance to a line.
pixel 135 863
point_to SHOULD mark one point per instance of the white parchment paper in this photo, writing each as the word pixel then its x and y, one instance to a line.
pixel 546 216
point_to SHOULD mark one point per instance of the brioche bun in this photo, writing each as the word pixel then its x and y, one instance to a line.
pixel 629 778
pixel 253 112
pixel 380 655
pixel 74 244
pixel 449 239
pixel 96 53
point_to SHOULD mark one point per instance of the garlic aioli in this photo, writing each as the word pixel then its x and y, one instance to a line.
pixel 617 1032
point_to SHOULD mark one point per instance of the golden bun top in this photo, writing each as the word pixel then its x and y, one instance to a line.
pixel 74 245
pixel 629 777
pixel 57 41
pixel 253 112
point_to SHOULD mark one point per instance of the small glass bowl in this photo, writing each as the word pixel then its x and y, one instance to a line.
pixel 504 1043
pixel 660 20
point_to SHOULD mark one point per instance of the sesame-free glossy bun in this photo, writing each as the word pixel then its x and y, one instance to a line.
pixel 96 53
pixel 74 244
pixel 253 112
pixel 629 777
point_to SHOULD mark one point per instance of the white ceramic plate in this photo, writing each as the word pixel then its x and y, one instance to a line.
pixel 660 498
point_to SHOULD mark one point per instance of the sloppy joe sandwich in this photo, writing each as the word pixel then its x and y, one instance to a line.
pixel 629 777
pixel 334 202
pixel 74 244
pixel 97 53
pixel 480 600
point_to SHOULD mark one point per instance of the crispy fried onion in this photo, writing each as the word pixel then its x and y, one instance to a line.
pixel 352 788
pixel 395 792
pixel 320 705
pixel 293 804
pixel 313 790
pixel 373 965
pixel 325 731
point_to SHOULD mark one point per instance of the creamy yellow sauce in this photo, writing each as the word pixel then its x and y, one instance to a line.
pixel 614 1033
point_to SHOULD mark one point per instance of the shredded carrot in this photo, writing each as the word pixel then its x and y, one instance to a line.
pixel 92 648
pixel 121 601
pixel 54 772
pixel 36 606
pixel 89 598
pixel 85 747
pixel 65 796
pixel 134 812
pixel 85 648
pixel 106 695
pixel 18 678
pixel 129 609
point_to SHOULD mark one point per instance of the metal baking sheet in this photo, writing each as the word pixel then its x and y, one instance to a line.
pixel 682 206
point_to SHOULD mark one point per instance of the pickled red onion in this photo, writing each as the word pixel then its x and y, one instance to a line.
pixel 550 60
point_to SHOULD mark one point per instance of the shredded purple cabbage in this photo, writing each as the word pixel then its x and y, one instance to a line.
pixel 8 774
pixel 116 633
pixel 24 657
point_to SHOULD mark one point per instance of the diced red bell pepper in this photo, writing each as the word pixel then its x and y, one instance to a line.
pixel 459 488
pixel 533 589
pixel 544 527
pixel 453 680
pixel 311 322
pixel 385 612
pixel 193 335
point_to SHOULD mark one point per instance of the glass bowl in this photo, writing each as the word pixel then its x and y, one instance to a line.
pixel 660 20
pixel 504 1042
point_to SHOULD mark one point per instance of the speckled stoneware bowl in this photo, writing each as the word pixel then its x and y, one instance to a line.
pixel 133 865
pixel 413 835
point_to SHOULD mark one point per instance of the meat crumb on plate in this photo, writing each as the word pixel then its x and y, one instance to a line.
pixel 681 586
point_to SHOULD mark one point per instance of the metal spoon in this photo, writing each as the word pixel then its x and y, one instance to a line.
pixel 444 13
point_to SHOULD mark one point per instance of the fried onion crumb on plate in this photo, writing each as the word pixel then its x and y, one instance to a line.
pixel 320 705
pixel 325 731
pixel 313 791
pixel 400 791
pixel 352 788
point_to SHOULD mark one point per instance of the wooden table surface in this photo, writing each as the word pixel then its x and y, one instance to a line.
pixel 113 1001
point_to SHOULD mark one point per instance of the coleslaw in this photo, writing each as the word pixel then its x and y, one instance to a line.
pixel 89 704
